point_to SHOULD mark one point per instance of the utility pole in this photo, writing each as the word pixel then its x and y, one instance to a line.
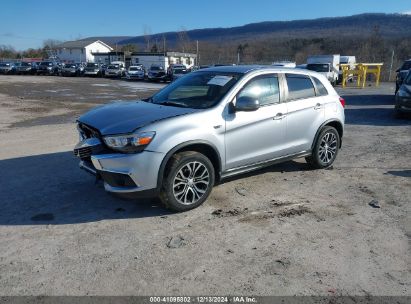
pixel 197 58
pixel 392 62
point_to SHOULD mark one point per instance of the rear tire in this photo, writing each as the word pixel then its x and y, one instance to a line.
pixel 325 148
pixel 188 181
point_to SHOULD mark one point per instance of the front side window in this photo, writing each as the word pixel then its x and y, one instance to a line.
pixel 198 90
pixel 264 89
pixel 321 90
pixel 299 86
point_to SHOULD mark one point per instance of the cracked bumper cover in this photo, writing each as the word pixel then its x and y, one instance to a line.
pixel 127 173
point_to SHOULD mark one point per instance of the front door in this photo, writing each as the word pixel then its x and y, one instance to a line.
pixel 256 136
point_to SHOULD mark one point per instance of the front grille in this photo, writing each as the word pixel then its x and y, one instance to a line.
pixel 83 153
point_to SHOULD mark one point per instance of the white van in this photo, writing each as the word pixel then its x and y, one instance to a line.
pixel 328 65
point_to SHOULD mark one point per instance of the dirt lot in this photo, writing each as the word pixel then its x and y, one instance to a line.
pixel 286 230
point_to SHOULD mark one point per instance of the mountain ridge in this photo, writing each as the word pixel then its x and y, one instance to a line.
pixel 387 25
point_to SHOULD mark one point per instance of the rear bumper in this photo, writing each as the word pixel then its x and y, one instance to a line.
pixel 129 175
pixel 161 77
pixel 92 73
pixel 113 74
pixel 136 77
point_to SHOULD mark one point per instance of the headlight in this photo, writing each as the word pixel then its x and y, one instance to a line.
pixel 131 143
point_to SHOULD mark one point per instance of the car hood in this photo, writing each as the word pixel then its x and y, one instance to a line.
pixel 126 117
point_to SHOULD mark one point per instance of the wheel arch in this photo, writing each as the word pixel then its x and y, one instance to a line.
pixel 332 123
pixel 200 146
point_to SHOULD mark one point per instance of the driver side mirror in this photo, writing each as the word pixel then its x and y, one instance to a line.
pixel 247 104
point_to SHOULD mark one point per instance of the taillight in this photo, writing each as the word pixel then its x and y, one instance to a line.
pixel 342 100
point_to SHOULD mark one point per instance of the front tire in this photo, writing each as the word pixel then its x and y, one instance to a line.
pixel 325 149
pixel 188 181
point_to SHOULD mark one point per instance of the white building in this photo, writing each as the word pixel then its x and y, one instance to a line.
pixel 81 50
pixel 163 59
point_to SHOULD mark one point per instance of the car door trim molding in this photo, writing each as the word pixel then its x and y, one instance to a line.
pixel 266 163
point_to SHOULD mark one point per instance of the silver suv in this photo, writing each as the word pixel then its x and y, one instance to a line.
pixel 209 125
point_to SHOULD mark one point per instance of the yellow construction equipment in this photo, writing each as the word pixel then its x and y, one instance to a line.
pixel 361 70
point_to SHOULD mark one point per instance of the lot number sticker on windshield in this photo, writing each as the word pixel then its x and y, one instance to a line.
pixel 219 80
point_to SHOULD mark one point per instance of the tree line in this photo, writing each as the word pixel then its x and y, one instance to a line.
pixel 265 49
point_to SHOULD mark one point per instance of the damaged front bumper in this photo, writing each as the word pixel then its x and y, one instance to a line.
pixel 130 175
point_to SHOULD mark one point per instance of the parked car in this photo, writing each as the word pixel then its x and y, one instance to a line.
pixel 71 69
pixel 136 72
pixel 177 71
pixel 82 67
pixel 116 69
pixel 402 73
pixel 157 73
pixel 7 68
pixel 26 68
pixel 48 68
pixel 403 96
pixel 94 69
pixel 210 125
pixel 328 65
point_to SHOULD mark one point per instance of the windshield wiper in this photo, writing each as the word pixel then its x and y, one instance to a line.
pixel 174 103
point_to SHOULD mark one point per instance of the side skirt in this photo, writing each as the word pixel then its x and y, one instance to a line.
pixel 267 163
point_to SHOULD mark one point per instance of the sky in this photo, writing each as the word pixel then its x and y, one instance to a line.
pixel 27 23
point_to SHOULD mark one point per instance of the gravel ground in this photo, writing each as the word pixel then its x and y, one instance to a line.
pixel 285 230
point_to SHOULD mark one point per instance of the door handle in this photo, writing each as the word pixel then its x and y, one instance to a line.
pixel 279 116
pixel 318 106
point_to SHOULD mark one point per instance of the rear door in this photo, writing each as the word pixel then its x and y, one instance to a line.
pixel 305 112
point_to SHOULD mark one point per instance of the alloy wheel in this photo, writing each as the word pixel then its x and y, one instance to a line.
pixel 191 182
pixel 328 147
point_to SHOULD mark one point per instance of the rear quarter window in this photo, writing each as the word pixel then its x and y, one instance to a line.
pixel 321 90
pixel 299 86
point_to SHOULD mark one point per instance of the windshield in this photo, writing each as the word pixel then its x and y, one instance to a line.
pixel 199 90
pixel 406 66
pixel 4 64
pixel 46 63
pixel 180 71
pixel 134 69
pixel 156 68
pixel 113 66
pixel 317 67
pixel 92 65
pixel 69 65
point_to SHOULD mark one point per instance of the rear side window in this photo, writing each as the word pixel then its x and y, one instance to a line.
pixel 299 86
pixel 321 90
pixel 265 89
